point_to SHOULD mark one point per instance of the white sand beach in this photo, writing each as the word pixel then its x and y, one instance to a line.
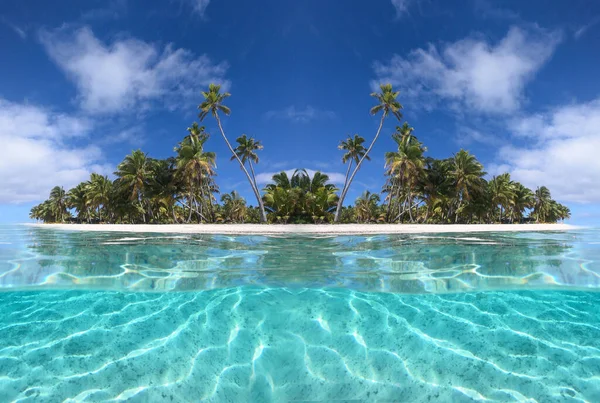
pixel 341 229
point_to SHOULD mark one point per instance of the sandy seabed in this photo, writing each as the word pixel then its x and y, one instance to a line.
pixel 342 229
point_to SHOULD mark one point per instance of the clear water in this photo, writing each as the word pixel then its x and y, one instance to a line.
pixel 99 316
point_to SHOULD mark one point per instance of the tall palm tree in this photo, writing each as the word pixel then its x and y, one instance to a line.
pixel 194 167
pixel 406 165
pixel 354 151
pixel 388 105
pixel 246 152
pixel 213 104
pixel 467 176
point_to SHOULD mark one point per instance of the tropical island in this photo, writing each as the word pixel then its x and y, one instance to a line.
pixel 182 189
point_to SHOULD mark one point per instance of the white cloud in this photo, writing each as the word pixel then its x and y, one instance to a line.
pixel 300 115
pixel 561 152
pixel 266 177
pixel 133 136
pixel 401 7
pixel 17 30
pixel 199 6
pixel 466 136
pixel 34 156
pixel 583 29
pixel 129 73
pixel 472 73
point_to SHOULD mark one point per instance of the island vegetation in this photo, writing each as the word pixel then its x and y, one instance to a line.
pixel 183 188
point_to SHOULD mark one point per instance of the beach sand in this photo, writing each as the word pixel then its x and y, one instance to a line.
pixel 341 229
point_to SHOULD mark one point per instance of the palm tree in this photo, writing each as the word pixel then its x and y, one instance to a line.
pixel 164 188
pixel 523 199
pixel 78 200
pixel 406 166
pixel 434 183
pixel 194 167
pixel 502 192
pixel 541 204
pixel 246 151
pixel 282 202
pixel 387 104
pixel 99 189
pixel 213 104
pixel 133 174
pixel 234 207
pixel 366 207
pixel 354 152
pixel 320 202
pixel 58 203
pixel 42 212
pixel 467 176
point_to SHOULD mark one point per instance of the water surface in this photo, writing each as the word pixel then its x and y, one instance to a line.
pixel 151 318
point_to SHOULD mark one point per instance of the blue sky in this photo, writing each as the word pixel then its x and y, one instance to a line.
pixel 84 83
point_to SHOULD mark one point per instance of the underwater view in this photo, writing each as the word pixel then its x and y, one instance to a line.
pixel 92 316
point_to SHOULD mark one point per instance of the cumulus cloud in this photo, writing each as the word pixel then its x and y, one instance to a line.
pixel 266 177
pixel 560 152
pixel 128 73
pixel 472 73
pixel 35 156
pixel 301 115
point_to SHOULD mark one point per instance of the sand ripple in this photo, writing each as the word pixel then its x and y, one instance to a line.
pixel 284 344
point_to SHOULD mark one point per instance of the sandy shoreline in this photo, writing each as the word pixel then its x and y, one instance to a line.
pixel 342 229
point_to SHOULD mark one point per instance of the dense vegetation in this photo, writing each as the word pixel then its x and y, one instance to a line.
pixel 182 188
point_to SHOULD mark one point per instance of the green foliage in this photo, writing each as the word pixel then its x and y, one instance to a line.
pixel 417 189
pixel 300 199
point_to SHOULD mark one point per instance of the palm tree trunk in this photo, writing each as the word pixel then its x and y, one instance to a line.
pixel 261 205
pixel 263 216
pixel 190 201
pixel 409 197
pixel 174 215
pixel 347 186
pixel 457 208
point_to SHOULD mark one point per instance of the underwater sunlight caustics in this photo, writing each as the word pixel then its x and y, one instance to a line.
pixel 95 316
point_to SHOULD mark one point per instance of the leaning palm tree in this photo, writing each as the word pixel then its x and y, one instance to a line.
pixel 246 151
pixel 388 105
pixel 354 152
pixel 213 104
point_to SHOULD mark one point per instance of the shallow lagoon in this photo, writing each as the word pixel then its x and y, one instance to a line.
pixel 146 317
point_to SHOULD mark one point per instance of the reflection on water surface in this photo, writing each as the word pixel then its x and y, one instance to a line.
pixel 39 257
